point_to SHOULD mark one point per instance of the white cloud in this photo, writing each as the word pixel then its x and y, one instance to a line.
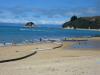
pixel 53 16
pixel 51 22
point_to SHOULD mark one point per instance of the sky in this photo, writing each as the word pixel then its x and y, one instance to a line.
pixel 46 11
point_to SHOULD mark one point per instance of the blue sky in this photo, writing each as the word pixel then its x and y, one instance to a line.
pixel 46 11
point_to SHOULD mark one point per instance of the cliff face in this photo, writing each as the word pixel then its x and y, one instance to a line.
pixel 84 23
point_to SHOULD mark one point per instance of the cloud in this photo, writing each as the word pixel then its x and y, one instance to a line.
pixel 42 16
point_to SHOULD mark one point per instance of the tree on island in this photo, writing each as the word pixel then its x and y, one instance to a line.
pixel 73 18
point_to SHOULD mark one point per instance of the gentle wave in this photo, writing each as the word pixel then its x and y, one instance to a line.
pixel 22 29
pixel 6 44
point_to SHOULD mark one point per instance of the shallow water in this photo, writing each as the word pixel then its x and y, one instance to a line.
pixel 20 34
pixel 87 45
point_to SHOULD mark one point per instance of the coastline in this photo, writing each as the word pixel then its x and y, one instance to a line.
pixel 62 60
pixel 20 50
pixel 82 29
pixel 7 52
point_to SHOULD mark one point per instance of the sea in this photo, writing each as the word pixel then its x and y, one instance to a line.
pixel 17 33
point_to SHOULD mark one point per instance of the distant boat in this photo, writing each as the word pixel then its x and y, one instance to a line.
pixel 30 25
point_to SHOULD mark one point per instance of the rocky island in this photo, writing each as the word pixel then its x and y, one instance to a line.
pixel 30 25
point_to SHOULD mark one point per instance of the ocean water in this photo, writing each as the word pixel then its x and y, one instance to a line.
pixel 20 34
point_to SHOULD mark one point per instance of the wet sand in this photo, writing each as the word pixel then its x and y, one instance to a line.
pixel 59 61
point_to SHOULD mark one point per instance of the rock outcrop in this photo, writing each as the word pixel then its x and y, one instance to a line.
pixel 30 25
pixel 83 23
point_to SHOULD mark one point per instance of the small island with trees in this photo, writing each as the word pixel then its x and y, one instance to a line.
pixel 83 23
pixel 30 25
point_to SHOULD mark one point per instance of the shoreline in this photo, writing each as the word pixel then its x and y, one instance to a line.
pixel 44 46
pixel 84 29
pixel 70 39
pixel 16 51
pixel 50 61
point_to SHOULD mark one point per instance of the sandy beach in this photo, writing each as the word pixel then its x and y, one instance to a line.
pixel 51 59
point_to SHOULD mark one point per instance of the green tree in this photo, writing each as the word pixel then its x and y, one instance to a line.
pixel 73 18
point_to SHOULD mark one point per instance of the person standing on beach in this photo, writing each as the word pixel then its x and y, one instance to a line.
pixel 4 43
pixel 13 43
pixel 40 39
pixel 79 42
